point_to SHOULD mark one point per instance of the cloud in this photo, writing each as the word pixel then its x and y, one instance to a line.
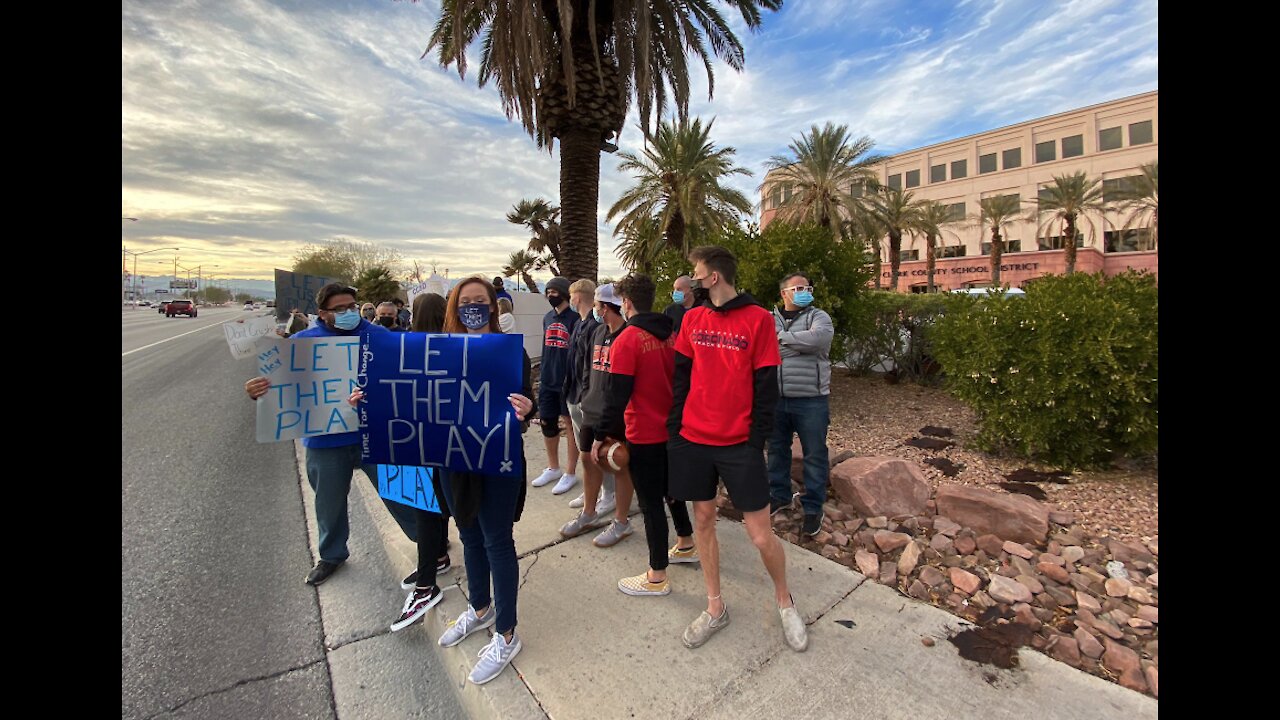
pixel 250 128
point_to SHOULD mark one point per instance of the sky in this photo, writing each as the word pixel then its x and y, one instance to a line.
pixel 252 128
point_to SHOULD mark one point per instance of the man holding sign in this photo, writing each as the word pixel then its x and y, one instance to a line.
pixel 331 459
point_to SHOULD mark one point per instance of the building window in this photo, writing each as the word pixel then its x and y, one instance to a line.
pixel 895 181
pixel 1073 146
pixel 1140 133
pixel 1054 242
pixel 938 173
pixel 1113 189
pixel 908 255
pixel 786 193
pixel 986 163
pixel 1110 139
pixel 955 211
pixel 951 251
pixel 775 197
pixel 960 168
pixel 1010 246
pixel 913 178
pixel 920 289
pixel 1012 158
pixel 1046 151
pixel 857 190
pixel 1043 194
pixel 1128 240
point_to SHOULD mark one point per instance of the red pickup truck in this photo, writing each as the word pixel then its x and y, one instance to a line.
pixel 180 307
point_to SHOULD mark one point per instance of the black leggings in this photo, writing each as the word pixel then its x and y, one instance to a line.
pixel 433 534
pixel 649 476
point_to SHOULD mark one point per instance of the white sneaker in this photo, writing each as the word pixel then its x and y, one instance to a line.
pixel 607 503
pixel 495 657
pixel 578 501
pixel 549 475
pixel 566 484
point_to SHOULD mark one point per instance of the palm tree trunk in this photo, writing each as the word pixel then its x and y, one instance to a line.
pixel 579 197
pixel 529 281
pixel 677 235
pixel 1069 244
pixel 895 257
pixel 930 257
pixel 997 251
pixel 875 264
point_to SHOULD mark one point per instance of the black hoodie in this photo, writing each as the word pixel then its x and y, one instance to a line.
pixel 764 399
pixel 619 387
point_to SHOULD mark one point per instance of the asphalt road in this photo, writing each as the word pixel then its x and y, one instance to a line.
pixel 215 619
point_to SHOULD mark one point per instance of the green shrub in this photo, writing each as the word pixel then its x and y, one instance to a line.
pixel 1068 373
pixel 889 328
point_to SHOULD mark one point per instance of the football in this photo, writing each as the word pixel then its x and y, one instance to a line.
pixel 616 455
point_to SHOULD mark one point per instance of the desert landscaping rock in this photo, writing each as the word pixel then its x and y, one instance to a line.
pixel 1012 517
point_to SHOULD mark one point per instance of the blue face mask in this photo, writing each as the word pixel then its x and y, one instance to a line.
pixel 803 299
pixel 474 316
pixel 596 314
pixel 678 296
pixel 347 320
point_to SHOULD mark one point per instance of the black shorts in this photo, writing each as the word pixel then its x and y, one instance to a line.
pixel 695 470
pixel 585 437
pixel 551 407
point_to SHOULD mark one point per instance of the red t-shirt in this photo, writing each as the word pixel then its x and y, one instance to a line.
pixel 651 362
pixel 726 348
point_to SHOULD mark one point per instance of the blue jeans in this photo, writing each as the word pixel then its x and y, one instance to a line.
pixel 807 417
pixel 489 550
pixel 329 473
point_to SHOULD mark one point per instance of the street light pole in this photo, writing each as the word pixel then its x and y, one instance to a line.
pixel 135 268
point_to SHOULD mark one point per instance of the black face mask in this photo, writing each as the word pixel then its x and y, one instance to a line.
pixel 555 300
pixel 387 321
pixel 701 295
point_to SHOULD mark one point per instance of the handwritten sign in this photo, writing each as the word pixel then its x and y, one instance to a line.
pixel 311 379
pixel 243 335
pixel 408 485
pixel 295 290
pixel 441 401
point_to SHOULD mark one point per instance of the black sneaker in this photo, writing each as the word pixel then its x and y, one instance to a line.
pixel 410 581
pixel 321 572
pixel 775 506
pixel 420 600
pixel 812 525
pixel 443 565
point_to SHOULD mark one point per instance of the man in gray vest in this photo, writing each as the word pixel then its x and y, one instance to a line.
pixel 804 387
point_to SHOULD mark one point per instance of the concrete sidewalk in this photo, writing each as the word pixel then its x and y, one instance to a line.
pixel 592 652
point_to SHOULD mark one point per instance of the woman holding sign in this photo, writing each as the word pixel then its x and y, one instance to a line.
pixel 485 508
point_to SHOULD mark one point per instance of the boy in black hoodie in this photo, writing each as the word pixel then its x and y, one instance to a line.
pixel 638 397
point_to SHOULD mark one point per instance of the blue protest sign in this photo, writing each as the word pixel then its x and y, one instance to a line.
pixel 311 379
pixel 296 290
pixel 441 401
pixel 408 485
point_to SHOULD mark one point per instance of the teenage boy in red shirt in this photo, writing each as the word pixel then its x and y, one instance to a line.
pixel 638 397
pixel 725 390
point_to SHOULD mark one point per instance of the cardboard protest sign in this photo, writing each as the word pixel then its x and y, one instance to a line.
pixel 311 379
pixel 408 485
pixel 295 290
pixel 243 335
pixel 441 401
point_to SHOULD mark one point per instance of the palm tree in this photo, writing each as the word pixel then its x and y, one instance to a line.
pixel 895 211
pixel 1069 199
pixel 863 227
pixel 522 262
pixel 997 212
pixel 677 186
pixel 636 251
pixel 543 220
pixel 1140 199
pixel 929 221
pixel 824 165
pixel 569 69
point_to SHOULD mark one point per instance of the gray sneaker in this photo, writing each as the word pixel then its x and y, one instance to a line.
pixel 793 628
pixel 701 629
pixel 578 501
pixel 606 503
pixel 495 657
pixel 466 624
pixel 580 524
pixel 613 534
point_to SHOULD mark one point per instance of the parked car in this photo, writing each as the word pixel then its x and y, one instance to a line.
pixel 181 307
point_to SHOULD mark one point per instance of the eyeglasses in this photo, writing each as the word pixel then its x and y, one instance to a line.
pixel 343 308
pixel 801 288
